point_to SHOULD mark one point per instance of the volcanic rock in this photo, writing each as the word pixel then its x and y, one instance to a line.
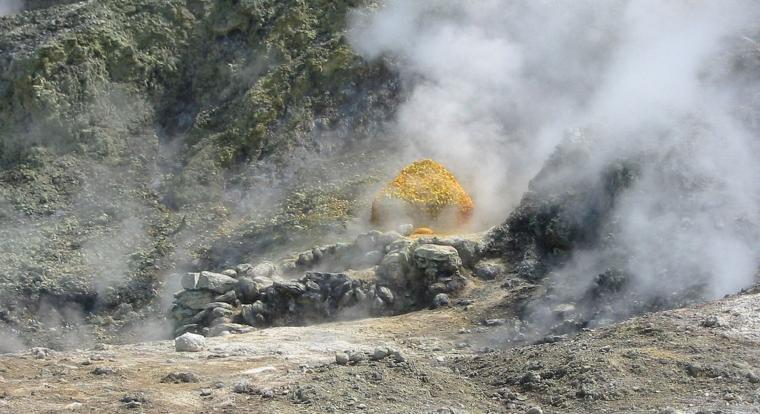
pixel 194 299
pixel 385 294
pixel 379 353
pixel 216 282
pixel 190 281
pixel 341 358
pixel 189 342
pixel 488 269
pixel 180 377
pixel 394 268
pixel 440 300
pixel 435 259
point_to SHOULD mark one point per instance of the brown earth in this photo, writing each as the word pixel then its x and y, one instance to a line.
pixel 700 358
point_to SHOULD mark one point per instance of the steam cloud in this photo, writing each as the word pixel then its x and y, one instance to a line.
pixel 8 7
pixel 496 85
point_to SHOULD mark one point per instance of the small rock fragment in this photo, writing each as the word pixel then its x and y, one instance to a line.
pixel 494 322
pixel 243 387
pixel 753 378
pixel 135 400
pixel 440 300
pixel 385 294
pixel 464 302
pixel 265 392
pixel 40 353
pixel 341 358
pixel 356 356
pixel 180 378
pixel 488 270
pixel 530 378
pixel 103 371
pixel 379 353
pixel 711 321
pixel 398 356
pixel 305 395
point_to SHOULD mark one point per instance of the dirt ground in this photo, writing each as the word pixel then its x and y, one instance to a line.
pixel 704 358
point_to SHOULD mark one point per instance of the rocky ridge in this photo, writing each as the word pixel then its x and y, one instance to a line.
pixel 378 274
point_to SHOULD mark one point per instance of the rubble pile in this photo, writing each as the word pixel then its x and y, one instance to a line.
pixel 378 274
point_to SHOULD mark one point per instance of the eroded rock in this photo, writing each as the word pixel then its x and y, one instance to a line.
pixel 216 282
pixel 190 281
pixel 189 342
pixel 434 258
pixel 194 299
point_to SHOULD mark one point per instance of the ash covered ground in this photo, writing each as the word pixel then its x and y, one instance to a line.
pixel 190 190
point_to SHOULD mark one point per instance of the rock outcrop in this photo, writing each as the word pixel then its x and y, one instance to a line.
pixel 378 274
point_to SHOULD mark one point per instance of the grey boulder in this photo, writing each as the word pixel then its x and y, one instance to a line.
pixel 194 299
pixel 190 281
pixel 263 269
pixel 438 257
pixel 216 282
pixel 189 342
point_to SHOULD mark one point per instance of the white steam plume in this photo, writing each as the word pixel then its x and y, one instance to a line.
pixel 495 85
pixel 8 7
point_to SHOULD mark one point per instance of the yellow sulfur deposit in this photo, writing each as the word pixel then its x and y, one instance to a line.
pixel 422 231
pixel 425 192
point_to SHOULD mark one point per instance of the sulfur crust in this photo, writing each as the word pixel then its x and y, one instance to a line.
pixel 428 186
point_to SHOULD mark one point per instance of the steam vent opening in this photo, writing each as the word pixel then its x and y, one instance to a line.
pixel 425 194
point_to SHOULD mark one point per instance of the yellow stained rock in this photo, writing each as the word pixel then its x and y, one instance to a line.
pixel 426 193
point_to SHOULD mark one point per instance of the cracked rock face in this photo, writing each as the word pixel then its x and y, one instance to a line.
pixel 440 267
pixel 437 259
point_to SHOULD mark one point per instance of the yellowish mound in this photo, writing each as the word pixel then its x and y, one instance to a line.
pixel 426 193
pixel 422 231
